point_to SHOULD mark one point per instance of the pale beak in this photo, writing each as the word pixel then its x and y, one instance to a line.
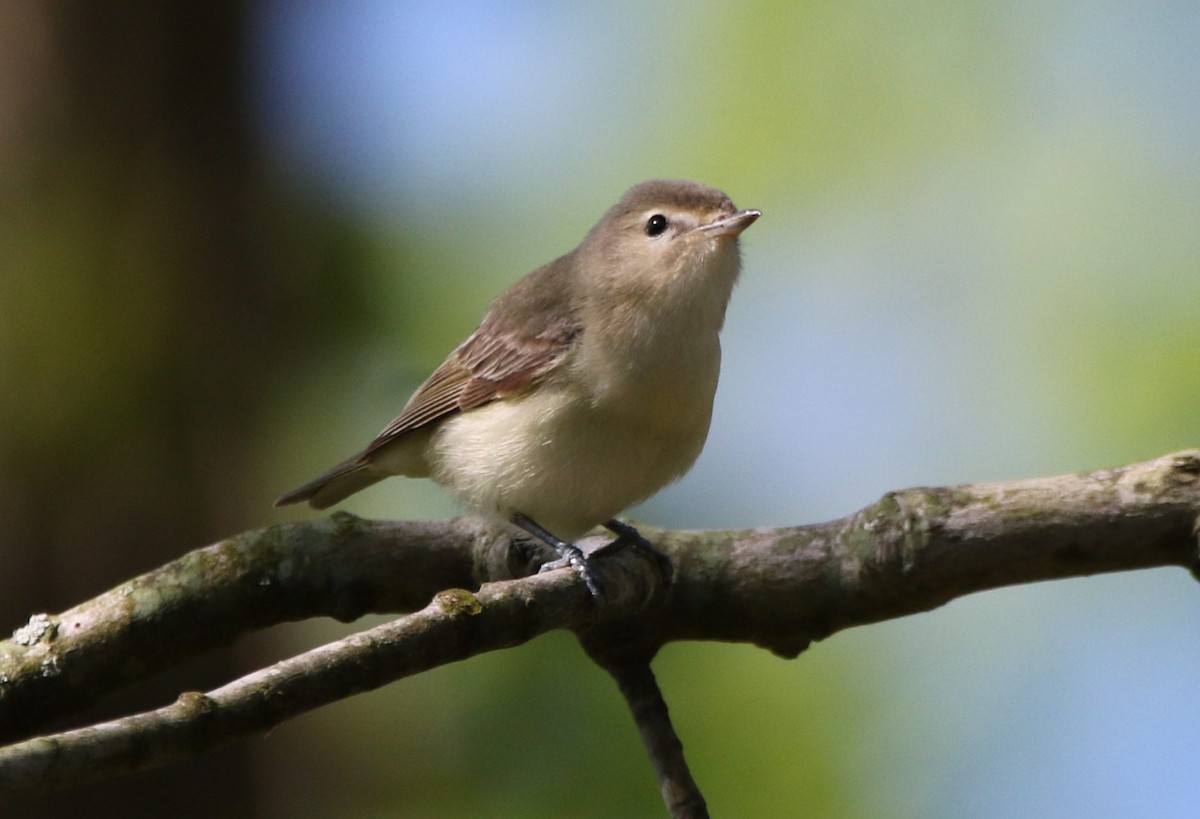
pixel 731 225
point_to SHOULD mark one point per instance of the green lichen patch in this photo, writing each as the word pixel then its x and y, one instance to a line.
pixel 458 601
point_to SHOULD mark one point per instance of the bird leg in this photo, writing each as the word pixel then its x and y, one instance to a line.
pixel 568 553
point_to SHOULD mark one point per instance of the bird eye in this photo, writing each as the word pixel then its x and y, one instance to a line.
pixel 656 224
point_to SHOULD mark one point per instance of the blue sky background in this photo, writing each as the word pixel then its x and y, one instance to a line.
pixel 979 260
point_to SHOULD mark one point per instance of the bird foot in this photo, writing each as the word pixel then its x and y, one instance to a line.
pixel 568 555
pixel 629 536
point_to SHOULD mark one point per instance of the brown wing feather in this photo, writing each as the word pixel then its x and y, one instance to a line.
pixel 490 364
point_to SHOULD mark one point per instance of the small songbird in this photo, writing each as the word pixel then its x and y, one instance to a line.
pixel 587 387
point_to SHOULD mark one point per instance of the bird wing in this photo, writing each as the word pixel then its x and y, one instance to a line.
pixel 492 363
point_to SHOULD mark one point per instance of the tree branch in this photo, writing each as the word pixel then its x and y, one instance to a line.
pixel 340 567
pixel 456 625
pixel 780 588
pixel 634 677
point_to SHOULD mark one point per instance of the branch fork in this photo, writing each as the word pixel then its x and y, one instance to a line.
pixel 469 588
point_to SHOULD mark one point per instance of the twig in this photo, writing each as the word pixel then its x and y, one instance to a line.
pixel 679 790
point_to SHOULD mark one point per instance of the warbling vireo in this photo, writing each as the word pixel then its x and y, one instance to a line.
pixel 588 386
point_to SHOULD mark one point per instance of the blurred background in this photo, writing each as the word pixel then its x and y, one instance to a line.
pixel 234 235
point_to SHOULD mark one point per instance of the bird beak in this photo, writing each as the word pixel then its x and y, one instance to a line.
pixel 731 225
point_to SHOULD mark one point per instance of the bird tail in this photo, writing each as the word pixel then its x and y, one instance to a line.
pixel 338 483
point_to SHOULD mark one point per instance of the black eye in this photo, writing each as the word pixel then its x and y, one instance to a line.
pixel 656 224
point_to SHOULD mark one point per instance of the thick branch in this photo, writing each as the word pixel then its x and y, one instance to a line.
pixel 781 588
pixel 918 549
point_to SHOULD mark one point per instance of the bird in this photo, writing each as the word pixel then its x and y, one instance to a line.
pixel 587 387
